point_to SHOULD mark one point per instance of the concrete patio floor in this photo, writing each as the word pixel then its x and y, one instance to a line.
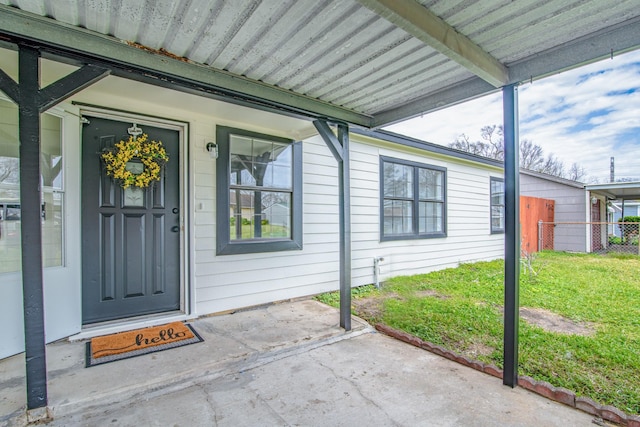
pixel 280 365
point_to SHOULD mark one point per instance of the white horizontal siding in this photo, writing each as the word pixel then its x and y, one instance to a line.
pixel 230 282
pixel 468 216
pixel 233 281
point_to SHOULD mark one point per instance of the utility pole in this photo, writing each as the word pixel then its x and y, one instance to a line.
pixel 612 169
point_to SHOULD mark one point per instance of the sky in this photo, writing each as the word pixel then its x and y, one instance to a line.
pixel 586 115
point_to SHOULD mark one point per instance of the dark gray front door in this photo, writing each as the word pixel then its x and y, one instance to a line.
pixel 130 238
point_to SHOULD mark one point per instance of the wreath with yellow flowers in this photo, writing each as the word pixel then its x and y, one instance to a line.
pixel 120 161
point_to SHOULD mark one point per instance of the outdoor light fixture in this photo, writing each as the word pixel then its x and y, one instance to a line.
pixel 594 200
pixel 212 148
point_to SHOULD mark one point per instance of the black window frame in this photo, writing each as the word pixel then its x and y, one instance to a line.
pixel 495 230
pixel 224 244
pixel 415 199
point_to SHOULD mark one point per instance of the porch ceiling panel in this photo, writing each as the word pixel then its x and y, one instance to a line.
pixel 368 62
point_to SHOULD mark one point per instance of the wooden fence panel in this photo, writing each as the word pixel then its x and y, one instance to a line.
pixel 533 210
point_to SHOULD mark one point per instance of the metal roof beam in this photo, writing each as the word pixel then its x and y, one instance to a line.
pixel 594 47
pixel 75 40
pixel 420 22
pixel 447 97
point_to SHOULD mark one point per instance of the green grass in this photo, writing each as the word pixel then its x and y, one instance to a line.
pixel 268 231
pixel 461 309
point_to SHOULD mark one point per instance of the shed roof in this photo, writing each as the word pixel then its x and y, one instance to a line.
pixel 366 62
pixel 552 178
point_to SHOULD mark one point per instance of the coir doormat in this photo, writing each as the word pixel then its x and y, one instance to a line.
pixel 123 345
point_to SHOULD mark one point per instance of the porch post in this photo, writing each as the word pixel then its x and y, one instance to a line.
pixel 339 147
pixel 512 235
pixel 31 228
pixel 344 183
pixel 32 101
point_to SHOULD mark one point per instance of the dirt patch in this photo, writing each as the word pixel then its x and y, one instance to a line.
pixel 552 322
pixel 479 349
pixel 431 293
pixel 370 308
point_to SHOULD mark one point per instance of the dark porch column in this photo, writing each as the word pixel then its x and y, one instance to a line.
pixel 339 147
pixel 512 234
pixel 32 101
pixel 31 229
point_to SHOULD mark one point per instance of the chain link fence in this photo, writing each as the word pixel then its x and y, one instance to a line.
pixel 599 237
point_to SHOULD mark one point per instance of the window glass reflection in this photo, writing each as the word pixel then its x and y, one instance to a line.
pixel 52 202
pixel 260 188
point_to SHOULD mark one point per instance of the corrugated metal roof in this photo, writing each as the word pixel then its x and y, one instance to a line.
pixel 345 54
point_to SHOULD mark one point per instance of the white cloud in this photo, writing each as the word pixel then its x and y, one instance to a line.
pixel 585 115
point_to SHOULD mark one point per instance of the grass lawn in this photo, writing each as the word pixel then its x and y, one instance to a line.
pixel 595 300
pixel 268 231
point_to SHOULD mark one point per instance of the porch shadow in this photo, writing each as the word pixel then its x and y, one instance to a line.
pixel 232 343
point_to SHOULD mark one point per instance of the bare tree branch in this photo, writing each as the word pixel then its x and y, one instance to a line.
pixel 531 155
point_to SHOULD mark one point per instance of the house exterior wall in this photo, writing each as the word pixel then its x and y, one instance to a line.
pixel 226 282
pixel 631 208
pixel 570 206
pixel 217 283
pixel 468 237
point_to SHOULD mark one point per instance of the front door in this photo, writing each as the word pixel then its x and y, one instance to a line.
pixel 130 237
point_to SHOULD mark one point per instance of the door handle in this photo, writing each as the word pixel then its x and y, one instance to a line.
pixel 175 228
pixel 175 210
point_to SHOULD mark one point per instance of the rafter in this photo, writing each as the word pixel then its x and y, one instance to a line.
pixel 419 21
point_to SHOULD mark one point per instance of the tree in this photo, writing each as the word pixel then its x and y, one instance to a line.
pixel 531 155
pixel 9 170
pixel 576 173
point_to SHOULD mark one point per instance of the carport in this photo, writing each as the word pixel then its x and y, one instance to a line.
pixel 365 63
pixel 616 191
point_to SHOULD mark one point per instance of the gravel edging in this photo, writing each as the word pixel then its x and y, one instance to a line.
pixel 543 388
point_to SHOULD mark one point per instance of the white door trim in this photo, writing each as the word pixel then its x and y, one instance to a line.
pixel 186 287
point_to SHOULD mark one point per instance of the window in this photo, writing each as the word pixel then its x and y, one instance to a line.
pixel 52 194
pixel 259 192
pixel 497 205
pixel 413 200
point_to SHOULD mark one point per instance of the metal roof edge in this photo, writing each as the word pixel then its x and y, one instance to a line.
pixel 613 185
pixel 594 47
pixel 424 145
pixel 557 179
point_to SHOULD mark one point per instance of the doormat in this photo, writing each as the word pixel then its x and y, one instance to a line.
pixel 123 345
